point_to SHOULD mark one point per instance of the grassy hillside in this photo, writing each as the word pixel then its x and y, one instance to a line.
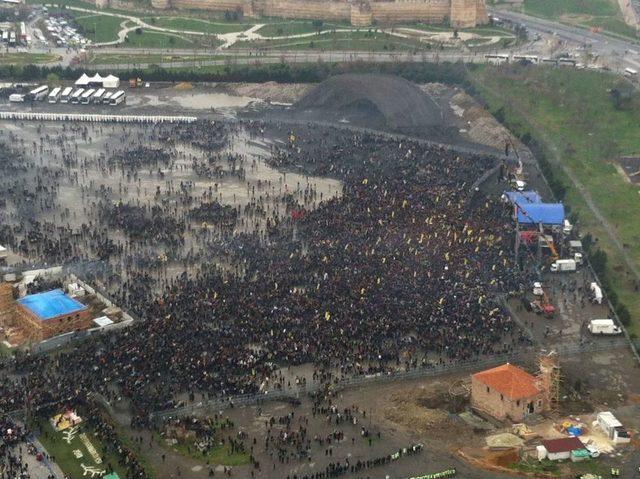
pixel 572 113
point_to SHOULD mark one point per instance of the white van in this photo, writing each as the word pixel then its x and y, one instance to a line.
pixel 603 326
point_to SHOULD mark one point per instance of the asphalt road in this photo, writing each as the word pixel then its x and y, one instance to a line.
pixel 606 46
pixel 619 53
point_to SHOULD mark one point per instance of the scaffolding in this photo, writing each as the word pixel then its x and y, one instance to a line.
pixel 548 379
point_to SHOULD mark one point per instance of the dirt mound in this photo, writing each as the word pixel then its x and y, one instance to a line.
pixel 390 100
pixel 422 410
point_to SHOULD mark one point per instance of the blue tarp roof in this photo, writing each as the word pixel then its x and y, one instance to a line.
pixel 523 196
pixel 545 213
pixel 51 304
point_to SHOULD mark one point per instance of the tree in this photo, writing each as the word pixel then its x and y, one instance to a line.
pixel 622 95
pixel 53 79
pixel 317 24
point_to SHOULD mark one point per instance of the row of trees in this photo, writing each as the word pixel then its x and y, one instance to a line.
pixel 451 73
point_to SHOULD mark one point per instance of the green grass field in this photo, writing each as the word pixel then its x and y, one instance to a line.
pixel 613 25
pixel 556 8
pixel 152 58
pixel 151 39
pixel 604 14
pixel 196 25
pixel 63 452
pixel 572 113
pixel 220 455
pixel 281 29
pixel 340 41
pixel 27 58
pixel 99 28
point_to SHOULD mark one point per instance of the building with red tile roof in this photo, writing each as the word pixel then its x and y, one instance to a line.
pixel 506 392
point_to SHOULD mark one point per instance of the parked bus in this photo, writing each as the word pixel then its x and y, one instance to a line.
pixel 497 58
pixel 118 97
pixel 97 98
pixel 106 99
pixel 85 99
pixel 75 98
pixel 630 72
pixel 526 58
pixel 5 36
pixel 39 93
pixel 54 96
pixel 12 38
pixel 567 62
pixel 64 98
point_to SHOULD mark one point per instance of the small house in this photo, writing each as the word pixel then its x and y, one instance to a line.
pixel 560 449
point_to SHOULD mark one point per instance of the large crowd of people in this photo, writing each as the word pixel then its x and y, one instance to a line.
pixel 399 269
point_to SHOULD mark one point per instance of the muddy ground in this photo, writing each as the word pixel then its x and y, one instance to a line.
pixel 420 411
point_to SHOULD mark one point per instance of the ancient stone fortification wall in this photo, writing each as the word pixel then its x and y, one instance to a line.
pixel 431 11
pixel 308 9
pixel 216 5
pixel 361 16
pixel 461 13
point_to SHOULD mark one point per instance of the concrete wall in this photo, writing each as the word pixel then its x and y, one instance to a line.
pixel 499 407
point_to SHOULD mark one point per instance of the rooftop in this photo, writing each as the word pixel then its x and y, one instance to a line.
pixel 510 381
pixel 565 444
pixel 51 304
pixel 545 213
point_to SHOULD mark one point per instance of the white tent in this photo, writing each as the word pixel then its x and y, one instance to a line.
pixel 83 80
pixel 111 81
pixel 97 79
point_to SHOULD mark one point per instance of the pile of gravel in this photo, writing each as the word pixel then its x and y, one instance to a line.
pixel 380 100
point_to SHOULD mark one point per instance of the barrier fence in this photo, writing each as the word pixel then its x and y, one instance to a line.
pixel 87 117
pixel 219 404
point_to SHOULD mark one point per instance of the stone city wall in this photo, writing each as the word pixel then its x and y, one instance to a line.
pixel 461 13
pixel 429 11
pixel 308 9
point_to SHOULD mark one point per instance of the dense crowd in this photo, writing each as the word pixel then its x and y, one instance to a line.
pixel 13 444
pixel 401 270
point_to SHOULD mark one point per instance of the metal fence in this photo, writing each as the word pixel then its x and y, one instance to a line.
pixel 222 403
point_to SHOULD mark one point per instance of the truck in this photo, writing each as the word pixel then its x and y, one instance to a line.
pixel 603 326
pixel 564 266
pixel 16 98
pixel 596 293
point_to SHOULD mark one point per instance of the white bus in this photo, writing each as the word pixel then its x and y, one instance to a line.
pixel 12 38
pixel 630 72
pixel 64 98
pixel 75 97
pixel 85 99
pixel 497 58
pixel 54 96
pixel 39 93
pixel 5 36
pixel 106 99
pixel 97 98
pixel 567 62
pixel 118 97
pixel 526 58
